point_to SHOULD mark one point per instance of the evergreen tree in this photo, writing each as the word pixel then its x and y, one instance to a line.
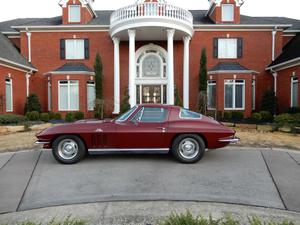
pixel 202 101
pixel 269 102
pixel 99 102
pixel 125 106
pixel 32 104
pixel 178 100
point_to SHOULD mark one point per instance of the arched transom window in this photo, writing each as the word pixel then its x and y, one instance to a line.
pixel 151 64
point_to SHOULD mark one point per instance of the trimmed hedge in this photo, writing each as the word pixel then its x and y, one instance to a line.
pixel 288 119
pixel 45 117
pixel 266 116
pixel 8 119
pixel 79 115
pixel 70 117
pixel 33 116
pixel 256 117
pixel 293 110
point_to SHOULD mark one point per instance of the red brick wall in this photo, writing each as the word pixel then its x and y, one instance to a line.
pixel 284 87
pixel 46 57
pixel 19 89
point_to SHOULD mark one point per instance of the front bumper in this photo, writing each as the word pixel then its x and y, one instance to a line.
pixel 229 140
pixel 41 142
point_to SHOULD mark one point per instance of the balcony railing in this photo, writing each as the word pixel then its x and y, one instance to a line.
pixel 151 9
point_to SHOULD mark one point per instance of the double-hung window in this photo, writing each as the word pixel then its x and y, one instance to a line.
pixel 74 13
pixel 227 13
pixel 234 94
pixel 74 49
pixel 294 91
pixel 91 95
pixel 68 95
pixel 227 48
pixel 9 95
pixel 211 94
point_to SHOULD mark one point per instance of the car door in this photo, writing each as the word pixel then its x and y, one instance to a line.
pixel 146 130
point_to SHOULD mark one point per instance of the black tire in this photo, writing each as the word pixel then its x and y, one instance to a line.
pixel 77 155
pixel 194 140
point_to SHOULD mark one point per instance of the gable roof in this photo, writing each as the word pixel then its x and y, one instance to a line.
pixel 229 67
pixel 103 18
pixel 10 55
pixel 290 52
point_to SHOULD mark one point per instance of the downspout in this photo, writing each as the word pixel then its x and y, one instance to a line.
pixel 27 76
pixel 29 44
pixel 274 43
pixel 275 74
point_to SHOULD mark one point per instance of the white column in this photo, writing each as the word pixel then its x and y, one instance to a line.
pixel 170 66
pixel 27 76
pixel 116 75
pixel 131 86
pixel 29 45
pixel 275 83
pixel 186 72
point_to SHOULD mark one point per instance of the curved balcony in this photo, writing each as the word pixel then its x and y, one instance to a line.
pixel 155 17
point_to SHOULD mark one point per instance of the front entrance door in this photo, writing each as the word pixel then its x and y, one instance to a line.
pixel 151 94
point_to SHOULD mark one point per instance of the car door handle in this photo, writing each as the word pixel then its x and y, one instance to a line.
pixel 162 128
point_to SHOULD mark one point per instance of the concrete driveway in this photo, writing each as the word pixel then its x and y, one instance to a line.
pixel 33 179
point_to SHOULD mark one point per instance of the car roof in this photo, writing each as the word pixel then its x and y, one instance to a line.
pixel 159 105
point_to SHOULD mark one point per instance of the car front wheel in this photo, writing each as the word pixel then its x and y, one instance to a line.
pixel 188 148
pixel 68 149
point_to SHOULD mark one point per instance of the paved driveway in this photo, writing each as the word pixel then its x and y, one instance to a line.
pixel 30 180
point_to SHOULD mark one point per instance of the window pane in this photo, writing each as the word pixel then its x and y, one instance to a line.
pixel 74 49
pixel 126 115
pixel 211 95
pixel 152 66
pixel 74 97
pixel 79 49
pixel 227 48
pixel 91 96
pixel 227 12
pixel 184 113
pixel 74 11
pixel 295 94
pixel 228 96
pixel 8 95
pixel 239 96
pixel 154 115
pixel 63 97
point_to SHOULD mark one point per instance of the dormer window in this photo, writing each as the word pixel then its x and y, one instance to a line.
pixel 227 13
pixel 74 14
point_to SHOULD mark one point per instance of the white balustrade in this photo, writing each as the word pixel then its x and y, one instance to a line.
pixel 151 9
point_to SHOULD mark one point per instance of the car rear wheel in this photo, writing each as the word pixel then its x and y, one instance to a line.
pixel 68 149
pixel 188 148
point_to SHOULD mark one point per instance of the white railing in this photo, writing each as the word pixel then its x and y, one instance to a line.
pixel 151 9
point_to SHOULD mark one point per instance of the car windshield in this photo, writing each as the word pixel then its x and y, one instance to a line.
pixel 125 115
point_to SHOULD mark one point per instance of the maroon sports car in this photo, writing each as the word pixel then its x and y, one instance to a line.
pixel 144 128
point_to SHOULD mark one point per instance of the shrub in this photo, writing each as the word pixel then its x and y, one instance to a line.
pixel 293 110
pixel 266 116
pixel 33 116
pixel 125 106
pixel 32 104
pixel 237 116
pixel 256 117
pixel 7 119
pixel 51 115
pixel 57 116
pixel 227 116
pixel 269 102
pixel 288 119
pixel 70 117
pixel 45 117
pixel 79 115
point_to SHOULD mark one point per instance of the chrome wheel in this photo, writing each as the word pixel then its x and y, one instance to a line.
pixel 67 149
pixel 189 148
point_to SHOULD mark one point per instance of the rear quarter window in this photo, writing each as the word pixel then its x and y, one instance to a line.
pixel 187 114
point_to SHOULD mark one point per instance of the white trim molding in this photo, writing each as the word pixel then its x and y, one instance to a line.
pixel 18 65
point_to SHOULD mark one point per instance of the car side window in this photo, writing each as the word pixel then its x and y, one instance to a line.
pixel 151 115
pixel 187 114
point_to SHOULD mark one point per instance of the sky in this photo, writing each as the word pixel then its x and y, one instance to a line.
pixel 47 8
